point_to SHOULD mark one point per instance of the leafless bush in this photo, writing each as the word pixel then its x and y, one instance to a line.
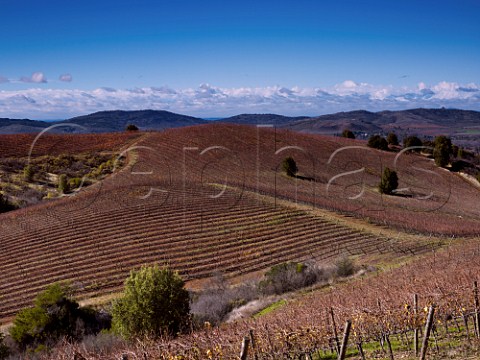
pixel 29 196
pixel 345 266
pixel 219 299
pixel 103 343
pixel 292 276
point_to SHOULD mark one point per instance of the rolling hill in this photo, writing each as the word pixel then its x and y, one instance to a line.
pixel 20 126
pixel 111 121
pixel 213 198
pixel 103 121
pixel 263 119
pixel 462 125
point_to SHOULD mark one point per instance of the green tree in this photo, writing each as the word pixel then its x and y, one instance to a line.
pixel 289 166
pixel 442 150
pixel 389 181
pixel 377 142
pixel 28 173
pixel 392 139
pixel 154 303
pixel 54 315
pixel 63 184
pixel 348 134
pixel 412 141
pixel 131 127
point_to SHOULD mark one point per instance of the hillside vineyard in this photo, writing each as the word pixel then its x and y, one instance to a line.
pixel 214 198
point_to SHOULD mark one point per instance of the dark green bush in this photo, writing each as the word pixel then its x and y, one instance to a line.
pixel 63 184
pixel 131 127
pixel 412 141
pixel 377 142
pixel 289 166
pixel 442 151
pixel 389 181
pixel 348 134
pixel 54 315
pixel 392 139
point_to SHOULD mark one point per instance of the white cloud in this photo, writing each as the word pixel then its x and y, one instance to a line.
pixel 209 100
pixel 3 80
pixel 65 77
pixel 36 77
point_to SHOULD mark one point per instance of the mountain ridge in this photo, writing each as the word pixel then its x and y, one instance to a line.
pixel 462 125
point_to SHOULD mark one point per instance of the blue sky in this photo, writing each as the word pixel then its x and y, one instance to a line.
pixel 273 53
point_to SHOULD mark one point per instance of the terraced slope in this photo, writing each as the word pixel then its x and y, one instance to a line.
pixel 190 198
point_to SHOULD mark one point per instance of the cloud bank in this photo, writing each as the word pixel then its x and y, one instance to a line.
pixel 211 101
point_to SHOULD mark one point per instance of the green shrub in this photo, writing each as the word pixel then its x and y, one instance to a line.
pixel 289 166
pixel 54 315
pixel 348 134
pixel 442 151
pixel 412 141
pixel 389 181
pixel 154 303
pixel 28 173
pixel 63 184
pixel 74 183
pixel 392 139
pixel 377 142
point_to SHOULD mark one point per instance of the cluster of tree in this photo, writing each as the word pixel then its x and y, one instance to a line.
pixel 131 127
pixel 442 146
pixel 154 303
pixel 379 142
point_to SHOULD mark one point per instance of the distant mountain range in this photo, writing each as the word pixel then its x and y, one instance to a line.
pixel 103 121
pixel 263 119
pixel 462 125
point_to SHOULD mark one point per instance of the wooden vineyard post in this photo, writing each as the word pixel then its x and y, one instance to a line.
pixel 244 351
pixel 426 335
pixel 343 349
pixel 415 331
pixel 254 348
pixel 477 317
pixel 335 333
